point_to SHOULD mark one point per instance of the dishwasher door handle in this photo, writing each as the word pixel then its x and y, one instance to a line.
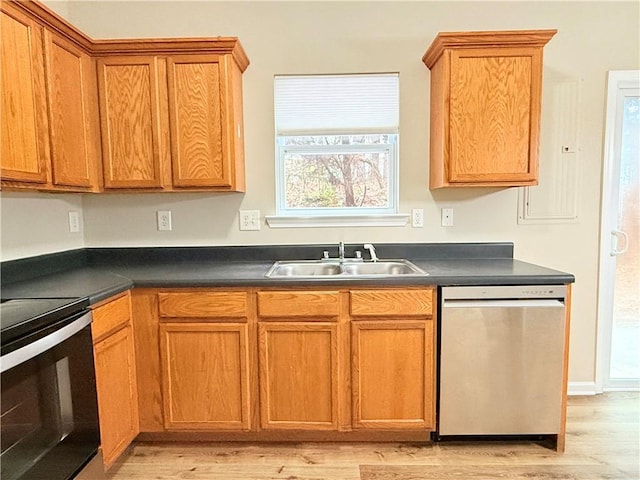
pixel 525 303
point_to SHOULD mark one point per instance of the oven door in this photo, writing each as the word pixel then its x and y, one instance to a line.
pixel 49 423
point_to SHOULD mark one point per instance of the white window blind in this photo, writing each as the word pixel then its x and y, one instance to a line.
pixel 335 104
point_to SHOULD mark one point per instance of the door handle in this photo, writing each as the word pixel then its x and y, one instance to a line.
pixel 619 233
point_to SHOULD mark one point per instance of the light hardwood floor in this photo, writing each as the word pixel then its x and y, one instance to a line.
pixel 603 442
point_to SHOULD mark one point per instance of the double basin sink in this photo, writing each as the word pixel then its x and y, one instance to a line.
pixel 328 269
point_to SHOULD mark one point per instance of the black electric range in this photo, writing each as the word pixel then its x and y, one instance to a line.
pixel 49 413
pixel 20 317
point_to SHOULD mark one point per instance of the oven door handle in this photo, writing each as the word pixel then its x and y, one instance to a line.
pixel 43 344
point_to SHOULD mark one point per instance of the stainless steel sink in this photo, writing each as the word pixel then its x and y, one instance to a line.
pixel 309 268
pixel 320 268
pixel 390 267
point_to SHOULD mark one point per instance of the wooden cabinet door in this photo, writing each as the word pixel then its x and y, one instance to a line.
pixel 117 392
pixel 205 376
pixel 71 98
pixel 200 151
pixel 393 374
pixel 495 115
pixel 298 375
pixel 23 120
pixel 130 121
pixel 116 379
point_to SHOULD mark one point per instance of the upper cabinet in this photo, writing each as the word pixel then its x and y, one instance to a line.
pixel 49 113
pixel 172 122
pixel 485 107
pixel 23 113
pixel 73 114
pixel 110 115
pixel 206 129
pixel 130 121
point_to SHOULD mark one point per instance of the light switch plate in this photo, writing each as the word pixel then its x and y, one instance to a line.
pixel 249 219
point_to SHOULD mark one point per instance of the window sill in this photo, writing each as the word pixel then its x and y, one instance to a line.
pixel 389 220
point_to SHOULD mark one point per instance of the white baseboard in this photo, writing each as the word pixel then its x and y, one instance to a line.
pixel 581 388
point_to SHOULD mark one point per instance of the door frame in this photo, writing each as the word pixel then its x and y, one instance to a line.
pixel 616 80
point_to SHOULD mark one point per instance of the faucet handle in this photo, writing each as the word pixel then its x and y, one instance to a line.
pixel 325 254
pixel 372 251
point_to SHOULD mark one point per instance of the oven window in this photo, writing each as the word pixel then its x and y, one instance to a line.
pixel 49 413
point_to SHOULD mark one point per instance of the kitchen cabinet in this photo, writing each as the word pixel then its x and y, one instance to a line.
pixel 205 360
pixel 275 363
pixel 393 347
pixel 73 115
pixel 116 382
pixel 172 122
pixel 49 115
pixel 133 139
pixel 206 122
pixel 25 141
pixel 300 342
pixel 87 115
pixel 485 107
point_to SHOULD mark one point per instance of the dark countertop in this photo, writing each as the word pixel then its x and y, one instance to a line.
pixel 101 273
pixel 96 284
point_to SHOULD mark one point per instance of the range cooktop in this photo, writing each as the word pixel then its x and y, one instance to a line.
pixel 21 316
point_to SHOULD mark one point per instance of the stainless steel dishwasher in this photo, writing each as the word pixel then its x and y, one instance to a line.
pixel 501 360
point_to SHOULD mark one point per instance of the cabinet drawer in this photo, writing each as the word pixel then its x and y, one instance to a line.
pixel 378 303
pixel 110 317
pixel 203 305
pixel 298 304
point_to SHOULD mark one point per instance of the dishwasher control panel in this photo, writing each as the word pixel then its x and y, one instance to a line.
pixel 505 292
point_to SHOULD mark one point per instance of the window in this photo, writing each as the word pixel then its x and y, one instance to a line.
pixel 336 145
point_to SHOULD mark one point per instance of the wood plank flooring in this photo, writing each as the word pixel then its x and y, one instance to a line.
pixel 603 442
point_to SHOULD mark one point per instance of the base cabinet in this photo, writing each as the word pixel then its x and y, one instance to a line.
pixel 392 358
pixel 286 364
pixel 392 364
pixel 300 351
pixel 115 377
pixel 298 375
pixel 205 360
pixel 205 376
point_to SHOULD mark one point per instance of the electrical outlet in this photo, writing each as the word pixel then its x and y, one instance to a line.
pixel 249 219
pixel 74 222
pixel 164 220
pixel 417 218
pixel 447 217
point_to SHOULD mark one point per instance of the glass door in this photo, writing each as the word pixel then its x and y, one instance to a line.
pixel 620 255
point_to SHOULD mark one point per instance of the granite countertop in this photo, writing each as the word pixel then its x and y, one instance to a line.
pixel 100 273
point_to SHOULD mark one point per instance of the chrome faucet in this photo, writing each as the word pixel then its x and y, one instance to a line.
pixel 372 251
pixel 341 251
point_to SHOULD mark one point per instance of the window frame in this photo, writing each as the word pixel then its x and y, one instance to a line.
pixel 357 126
pixel 391 149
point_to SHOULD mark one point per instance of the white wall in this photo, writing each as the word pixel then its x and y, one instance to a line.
pixel 61 7
pixel 36 223
pixel 339 37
